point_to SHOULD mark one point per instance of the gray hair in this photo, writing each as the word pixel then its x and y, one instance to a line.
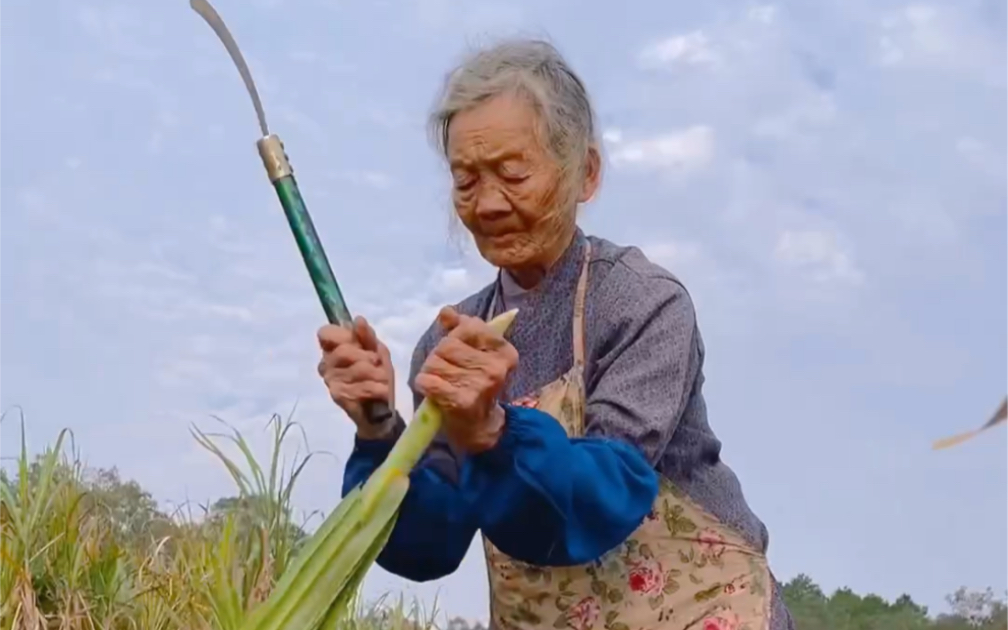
pixel 535 70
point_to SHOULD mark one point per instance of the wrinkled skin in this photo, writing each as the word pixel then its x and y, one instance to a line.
pixel 509 191
pixel 356 367
pixel 513 197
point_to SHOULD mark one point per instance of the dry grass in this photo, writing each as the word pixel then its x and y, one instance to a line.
pixel 72 561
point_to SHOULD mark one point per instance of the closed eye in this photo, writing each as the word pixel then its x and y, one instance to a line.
pixel 464 181
pixel 513 173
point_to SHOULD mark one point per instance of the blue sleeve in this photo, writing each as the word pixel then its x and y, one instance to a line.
pixel 435 527
pixel 550 500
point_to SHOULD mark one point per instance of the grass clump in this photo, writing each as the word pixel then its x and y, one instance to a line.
pixel 84 550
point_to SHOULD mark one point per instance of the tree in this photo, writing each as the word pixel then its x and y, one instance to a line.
pixel 251 511
pixel 846 610
pixel 131 510
pixel 980 610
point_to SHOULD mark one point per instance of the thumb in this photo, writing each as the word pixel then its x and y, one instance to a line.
pixel 449 318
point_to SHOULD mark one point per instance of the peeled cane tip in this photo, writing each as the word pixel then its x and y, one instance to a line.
pixel 502 322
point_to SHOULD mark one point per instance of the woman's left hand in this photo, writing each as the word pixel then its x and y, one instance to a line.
pixel 464 376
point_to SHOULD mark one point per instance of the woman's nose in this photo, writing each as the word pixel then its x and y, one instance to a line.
pixel 492 203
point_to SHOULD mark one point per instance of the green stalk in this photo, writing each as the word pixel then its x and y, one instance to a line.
pixel 336 570
pixel 325 577
pixel 344 608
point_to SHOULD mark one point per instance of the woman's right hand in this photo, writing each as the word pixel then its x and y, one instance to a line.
pixel 356 367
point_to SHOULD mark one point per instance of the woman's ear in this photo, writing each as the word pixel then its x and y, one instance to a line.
pixel 592 175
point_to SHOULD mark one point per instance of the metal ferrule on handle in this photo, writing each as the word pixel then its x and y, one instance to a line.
pixel 281 175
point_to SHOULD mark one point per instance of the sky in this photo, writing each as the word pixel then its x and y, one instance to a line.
pixel 828 179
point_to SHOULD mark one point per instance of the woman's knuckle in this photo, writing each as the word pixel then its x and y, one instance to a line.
pixel 463 331
pixel 467 398
pixel 497 363
pixel 362 371
pixel 334 334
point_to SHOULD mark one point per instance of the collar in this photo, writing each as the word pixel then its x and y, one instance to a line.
pixel 562 276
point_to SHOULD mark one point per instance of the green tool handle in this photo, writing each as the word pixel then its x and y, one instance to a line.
pixel 314 256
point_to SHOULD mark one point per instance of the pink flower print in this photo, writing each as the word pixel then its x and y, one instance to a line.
pixel 583 614
pixel 531 401
pixel 722 620
pixel 729 589
pixel 646 578
pixel 712 544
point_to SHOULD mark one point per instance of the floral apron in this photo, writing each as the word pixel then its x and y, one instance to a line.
pixel 681 569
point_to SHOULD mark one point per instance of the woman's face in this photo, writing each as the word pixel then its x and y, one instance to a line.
pixel 508 189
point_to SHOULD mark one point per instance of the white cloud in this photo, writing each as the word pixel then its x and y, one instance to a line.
pixel 803 117
pixel 687 260
pixel 121 30
pixel 470 17
pixel 672 254
pixel 303 56
pixel 936 36
pixel 455 279
pixel 157 101
pixel 890 53
pixel 764 14
pixel 677 151
pixel 818 255
pixel 372 179
pixel 981 156
pixel 692 48
pixel 612 136
pixel 916 29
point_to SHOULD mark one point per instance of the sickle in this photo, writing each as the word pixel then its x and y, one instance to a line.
pixel 999 416
pixel 281 175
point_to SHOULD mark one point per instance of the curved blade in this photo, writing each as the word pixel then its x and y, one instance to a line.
pixel 208 13
pixel 1001 415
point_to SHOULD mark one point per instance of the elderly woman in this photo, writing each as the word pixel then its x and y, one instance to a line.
pixel 578 445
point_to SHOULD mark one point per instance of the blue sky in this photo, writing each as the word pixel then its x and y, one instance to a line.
pixel 827 178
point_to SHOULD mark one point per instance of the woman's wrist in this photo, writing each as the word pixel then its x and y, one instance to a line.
pixel 491 431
